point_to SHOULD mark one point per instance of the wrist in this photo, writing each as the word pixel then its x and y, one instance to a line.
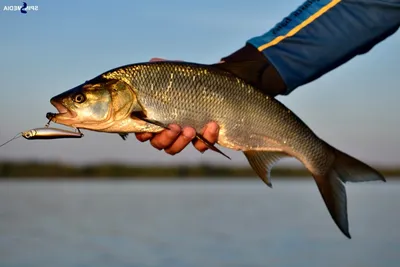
pixel 264 76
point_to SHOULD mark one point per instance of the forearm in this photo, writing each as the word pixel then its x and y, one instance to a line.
pixel 321 35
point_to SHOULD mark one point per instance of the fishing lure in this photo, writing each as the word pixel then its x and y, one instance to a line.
pixel 50 133
pixel 46 133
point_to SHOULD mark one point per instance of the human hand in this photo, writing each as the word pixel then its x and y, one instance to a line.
pixel 175 139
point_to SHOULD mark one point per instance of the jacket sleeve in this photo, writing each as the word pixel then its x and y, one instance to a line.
pixel 320 35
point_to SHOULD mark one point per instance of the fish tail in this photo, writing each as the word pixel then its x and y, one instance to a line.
pixel 331 186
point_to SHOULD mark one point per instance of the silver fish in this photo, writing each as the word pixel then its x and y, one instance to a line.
pixel 146 97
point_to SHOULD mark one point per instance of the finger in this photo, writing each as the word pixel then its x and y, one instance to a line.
pixel 165 138
pixel 155 59
pixel 182 141
pixel 143 137
pixel 210 133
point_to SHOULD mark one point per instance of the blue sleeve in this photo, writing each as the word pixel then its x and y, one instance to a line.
pixel 323 34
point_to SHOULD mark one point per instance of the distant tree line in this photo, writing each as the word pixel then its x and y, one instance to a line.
pixel 42 170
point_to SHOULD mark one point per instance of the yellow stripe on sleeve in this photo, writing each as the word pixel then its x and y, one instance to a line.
pixel 300 26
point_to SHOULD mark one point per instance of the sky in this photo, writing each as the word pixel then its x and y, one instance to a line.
pixel 43 53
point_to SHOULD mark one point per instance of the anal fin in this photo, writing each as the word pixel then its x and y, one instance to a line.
pixel 262 163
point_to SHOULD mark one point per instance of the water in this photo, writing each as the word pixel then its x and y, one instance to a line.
pixel 197 223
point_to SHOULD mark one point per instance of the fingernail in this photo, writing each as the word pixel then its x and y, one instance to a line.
pixel 174 128
pixel 189 133
pixel 212 127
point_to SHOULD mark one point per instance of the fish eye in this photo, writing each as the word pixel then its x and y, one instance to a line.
pixel 79 98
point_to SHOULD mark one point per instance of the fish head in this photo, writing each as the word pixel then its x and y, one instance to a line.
pixel 98 104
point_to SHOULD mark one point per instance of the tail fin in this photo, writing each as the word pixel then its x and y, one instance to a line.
pixel 344 169
pixel 350 169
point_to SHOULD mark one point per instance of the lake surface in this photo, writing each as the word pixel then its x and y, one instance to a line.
pixel 194 223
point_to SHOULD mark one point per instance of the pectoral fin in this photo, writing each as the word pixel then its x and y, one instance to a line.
pixel 210 146
pixel 141 115
pixel 262 163
pixel 155 123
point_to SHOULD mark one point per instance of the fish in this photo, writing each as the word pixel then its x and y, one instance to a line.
pixel 148 96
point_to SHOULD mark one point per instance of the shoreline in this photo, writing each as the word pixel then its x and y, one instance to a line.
pixel 54 171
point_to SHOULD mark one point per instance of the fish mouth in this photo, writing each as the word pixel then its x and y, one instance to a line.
pixel 63 116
